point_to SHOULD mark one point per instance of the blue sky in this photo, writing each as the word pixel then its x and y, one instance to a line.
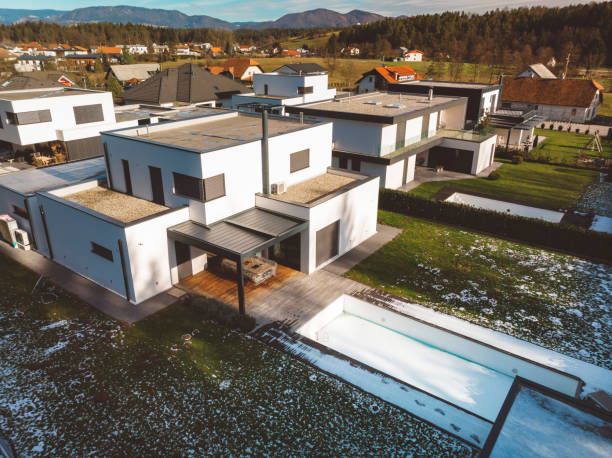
pixel 258 10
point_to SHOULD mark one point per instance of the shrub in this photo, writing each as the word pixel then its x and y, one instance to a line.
pixel 573 239
pixel 517 159
pixel 494 175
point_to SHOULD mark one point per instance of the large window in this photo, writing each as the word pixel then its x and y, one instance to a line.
pixel 305 90
pixel 28 117
pixel 299 160
pixel 88 113
pixel 328 242
pixel 101 251
pixel 196 188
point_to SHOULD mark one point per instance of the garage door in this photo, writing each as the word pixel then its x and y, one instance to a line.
pixel 457 160
pixel 328 242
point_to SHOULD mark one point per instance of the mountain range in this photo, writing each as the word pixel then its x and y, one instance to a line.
pixel 320 17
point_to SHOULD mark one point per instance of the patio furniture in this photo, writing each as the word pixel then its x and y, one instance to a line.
pixel 439 169
pixel 256 269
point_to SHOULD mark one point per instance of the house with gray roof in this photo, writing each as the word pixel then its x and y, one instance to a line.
pixel 132 73
pixel 537 71
pixel 186 84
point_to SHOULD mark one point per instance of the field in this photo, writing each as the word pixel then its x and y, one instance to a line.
pixel 605 109
pixel 345 72
pixel 541 185
pixel 75 382
pixel 554 300
pixel 566 146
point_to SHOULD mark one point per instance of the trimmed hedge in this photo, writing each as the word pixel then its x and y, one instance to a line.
pixel 573 239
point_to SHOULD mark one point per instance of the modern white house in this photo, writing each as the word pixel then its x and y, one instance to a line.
pixel 284 89
pixel 483 99
pixel 198 195
pixel 30 119
pixel 31 63
pixel 569 100
pixel 386 134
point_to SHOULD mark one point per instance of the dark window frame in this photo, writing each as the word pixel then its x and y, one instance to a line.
pixel 343 163
pixel 127 177
pixel 102 251
pixel 178 190
pixel 42 116
pixel 305 90
pixel 297 162
pixel 356 165
pixel 77 113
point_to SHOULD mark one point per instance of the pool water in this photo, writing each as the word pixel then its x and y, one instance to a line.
pixel 472 386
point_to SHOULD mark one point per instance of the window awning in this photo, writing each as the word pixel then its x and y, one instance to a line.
pixel 240 235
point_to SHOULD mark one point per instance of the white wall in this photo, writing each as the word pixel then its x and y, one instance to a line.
pixel 411 165
pixel 357 136
pixel 394 175
pixel 357 211
pixel 149 257
pixel 558 112
pixel 454 117
pixel 71 232
pixel 62 117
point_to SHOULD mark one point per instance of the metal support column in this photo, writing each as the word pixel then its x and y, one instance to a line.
pixel 241 301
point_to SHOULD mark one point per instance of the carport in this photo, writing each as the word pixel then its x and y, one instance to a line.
pixel 456 160
pixel 238 237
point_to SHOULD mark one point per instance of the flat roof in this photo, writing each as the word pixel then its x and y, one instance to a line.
pixel 122 207
pixel 190 112
pixel 313 189
pixel 54 176
pixel 384 107
pixel 462 84
pixel 38 94
pixel 209 134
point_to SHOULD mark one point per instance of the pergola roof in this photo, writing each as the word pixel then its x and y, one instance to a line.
pixel 239 236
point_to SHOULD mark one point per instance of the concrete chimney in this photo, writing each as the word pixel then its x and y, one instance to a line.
pixel 265 154
pixel 430 94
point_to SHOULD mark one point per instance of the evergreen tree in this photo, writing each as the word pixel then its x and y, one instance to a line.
pixel 114 86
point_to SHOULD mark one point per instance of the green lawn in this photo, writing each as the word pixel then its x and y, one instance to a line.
pixel 605 109
pixel 554 300
pixel 76 383
pixel 565 147
pixel 541 185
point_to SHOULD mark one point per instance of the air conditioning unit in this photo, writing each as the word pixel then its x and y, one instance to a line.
pixel 278 188
pixel 22 239
pixel 7 228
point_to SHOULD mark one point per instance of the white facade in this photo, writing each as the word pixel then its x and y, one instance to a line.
pixel 286 89
pixel 560 112
pixel 135 49
pixel 413 56
pixel 355 209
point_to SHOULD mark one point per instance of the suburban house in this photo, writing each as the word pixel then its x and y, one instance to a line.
pixel 228 192
pixel 387 134
pixel 112 52
pixel 283 89
pixel 240 68
pixel 413 55
pixel 158 49
pixel 81 62
pixel 31 63
pixel 132 73
pixel 380 77
pixel 184 50
pixel 482 98
pixel 537 71
pixel 290 53
pixel 215 51
pixel 185 84
pixel 32 119
pixel 245 49
pixel 37 80
pixel 568 100
pixel 298 69
pixel 135 49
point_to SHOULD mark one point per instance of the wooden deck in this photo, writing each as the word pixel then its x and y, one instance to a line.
pixel 225 289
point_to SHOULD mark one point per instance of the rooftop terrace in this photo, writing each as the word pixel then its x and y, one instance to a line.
pixel 378 105
pixel 121 207
pixel 211 132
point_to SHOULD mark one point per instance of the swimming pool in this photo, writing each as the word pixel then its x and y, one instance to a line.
pixel 463 372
